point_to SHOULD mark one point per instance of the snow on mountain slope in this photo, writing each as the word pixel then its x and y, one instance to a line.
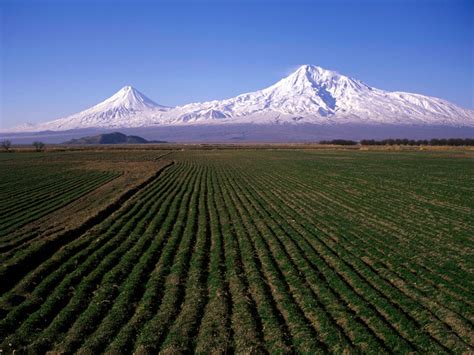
pixel 309 95
pixel 125 108
pixel 309 90
pixel 314 95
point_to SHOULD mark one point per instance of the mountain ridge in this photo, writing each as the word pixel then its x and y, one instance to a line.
pixel 310 94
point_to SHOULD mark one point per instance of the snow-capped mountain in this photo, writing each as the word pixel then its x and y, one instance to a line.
pixel 309 95
pixel 314 95
pixel 126 108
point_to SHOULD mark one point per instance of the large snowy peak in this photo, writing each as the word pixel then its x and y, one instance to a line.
pixel 309 90
pixel 312 89
pixel 312 94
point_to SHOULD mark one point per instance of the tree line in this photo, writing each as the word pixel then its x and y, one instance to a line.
pixel 404 141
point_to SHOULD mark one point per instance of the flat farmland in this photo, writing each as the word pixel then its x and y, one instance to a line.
pixel 245 250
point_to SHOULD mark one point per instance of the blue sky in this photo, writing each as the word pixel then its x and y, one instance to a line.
pixel 60 57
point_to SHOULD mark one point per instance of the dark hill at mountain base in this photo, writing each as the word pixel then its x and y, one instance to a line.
pixel 111 138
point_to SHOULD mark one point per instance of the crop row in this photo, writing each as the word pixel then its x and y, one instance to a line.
pixel 42 203
pixel 78 262
pixel 258 252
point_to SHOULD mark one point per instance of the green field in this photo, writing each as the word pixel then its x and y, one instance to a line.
pixel 245 250
pixel 32 189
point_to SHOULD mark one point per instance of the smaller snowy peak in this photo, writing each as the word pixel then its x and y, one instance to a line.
pixel 129 98
pixel 127 107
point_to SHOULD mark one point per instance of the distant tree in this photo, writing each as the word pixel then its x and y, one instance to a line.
pixel 432 142
pixel 339 142
pixel 39 146
pixel 6 144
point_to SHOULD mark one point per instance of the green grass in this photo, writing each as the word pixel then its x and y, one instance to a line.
pixel 31 187
pixel 251 251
